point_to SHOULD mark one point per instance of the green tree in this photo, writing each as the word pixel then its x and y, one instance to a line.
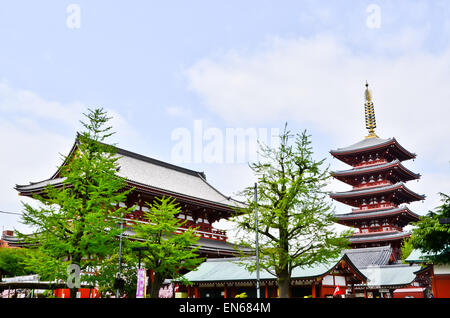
pixel 12 261
pixel 407 248
pixel 295 220
pixel 431 237
pixel 78 222
pixel 107 271
pixel 169 253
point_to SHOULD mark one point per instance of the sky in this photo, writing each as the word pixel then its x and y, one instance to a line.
pixel 179 76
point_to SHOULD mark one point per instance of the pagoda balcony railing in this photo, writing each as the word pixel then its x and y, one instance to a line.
pixel 378 229
pixel 372 184
pixel 374 207
pixel 370 163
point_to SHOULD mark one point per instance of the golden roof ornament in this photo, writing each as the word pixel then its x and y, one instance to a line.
pixel 370 113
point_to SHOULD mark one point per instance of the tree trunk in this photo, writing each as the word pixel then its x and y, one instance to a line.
pixel 155 285
pixel 284 282
pixel 284 275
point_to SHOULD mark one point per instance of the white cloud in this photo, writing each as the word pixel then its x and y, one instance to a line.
pixel 318 82
pixel 35 131
pixel 26 103
pixel 178 111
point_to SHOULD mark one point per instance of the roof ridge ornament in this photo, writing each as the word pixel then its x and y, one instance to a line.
pixel 370 113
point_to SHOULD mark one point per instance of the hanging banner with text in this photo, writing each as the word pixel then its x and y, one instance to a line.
pixel 141 282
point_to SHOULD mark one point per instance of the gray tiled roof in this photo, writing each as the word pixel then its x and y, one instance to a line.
pixel 233 269
pixel 418 256
pixel 366 168
pixel 379 236
pixel 374 189
pixel 363 257
pixel 370 145
pixel 370 214
pixel 173 180
pixel 377 167
pixel 40 184
pixel 155 174
pixel 367 190
pixel 390 275
pixel 220 246
pixel 365 143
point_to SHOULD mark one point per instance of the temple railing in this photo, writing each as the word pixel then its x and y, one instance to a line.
pixel 374 207
pixel 213 234
pixel 369 184
pixel 370 163
pixel 378 229
pixel 201 230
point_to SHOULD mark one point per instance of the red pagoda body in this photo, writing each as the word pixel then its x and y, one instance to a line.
pixel 379 193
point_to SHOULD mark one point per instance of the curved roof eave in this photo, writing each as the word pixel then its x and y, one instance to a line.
pixel 363 192
pixel 379 213
pixel 379 167
pixel 370 144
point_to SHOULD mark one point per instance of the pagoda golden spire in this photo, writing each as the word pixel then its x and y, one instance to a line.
pixel 370 114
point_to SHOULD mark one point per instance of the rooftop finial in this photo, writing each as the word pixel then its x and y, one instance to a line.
pixel 370 114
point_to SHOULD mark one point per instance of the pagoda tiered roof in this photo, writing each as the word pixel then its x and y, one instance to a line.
pixel 395 166
pixel 405 212
pixel 385 147
pixel 377 176
pixel 352 197
pixel 383 236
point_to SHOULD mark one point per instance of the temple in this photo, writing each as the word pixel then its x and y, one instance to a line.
pixel 379 194
pixel 370 268
pixel 200 202
pixel 226 278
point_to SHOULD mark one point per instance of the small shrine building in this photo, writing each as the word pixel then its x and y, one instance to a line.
pixel 228 277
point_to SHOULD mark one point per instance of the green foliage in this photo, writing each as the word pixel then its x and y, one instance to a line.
pixel 431 237
pixel 107 271
pixel 78 222
pixel 407 248
pixel 48 267
pixel 12 261
pixel 169 253
pixel 295 220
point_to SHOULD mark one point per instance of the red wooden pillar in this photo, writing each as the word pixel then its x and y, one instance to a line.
pixel 225 291
pixel 266 293
pixel 433 283
pixel 313 292
pixel 196 292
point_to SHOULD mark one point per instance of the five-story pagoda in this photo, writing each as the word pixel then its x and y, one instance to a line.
pixel 379 192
